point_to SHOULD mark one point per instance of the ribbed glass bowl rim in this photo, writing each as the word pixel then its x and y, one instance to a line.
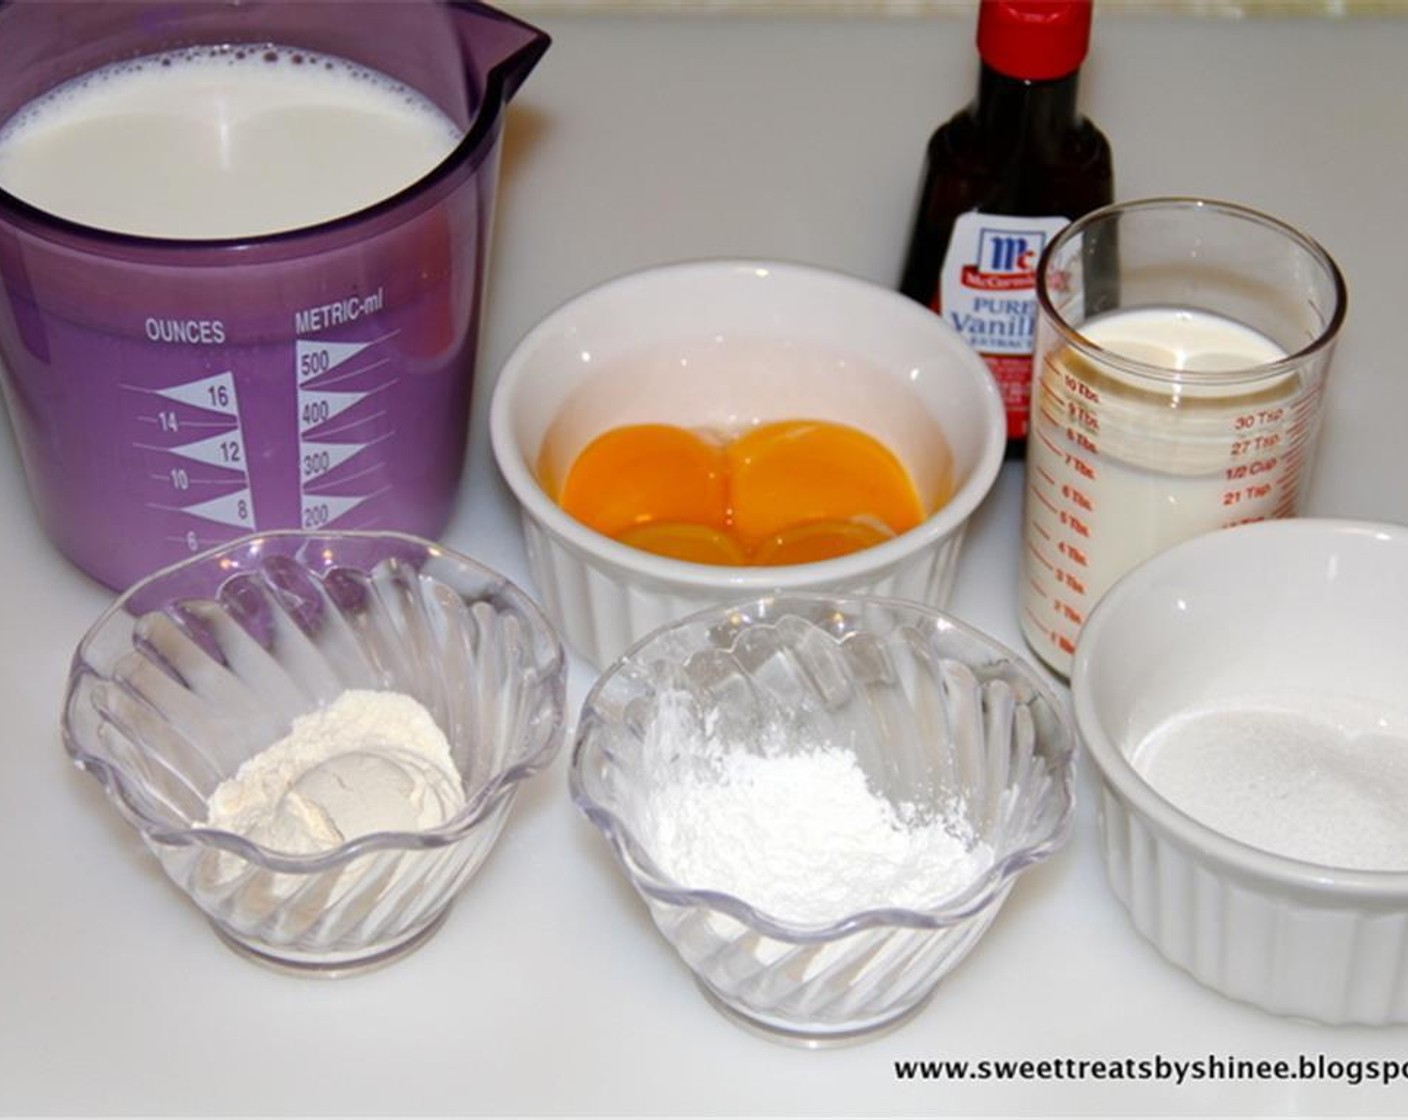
pixel 484 801
pixel 965 904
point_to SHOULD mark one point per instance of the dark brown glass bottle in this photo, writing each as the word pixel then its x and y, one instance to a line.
pixel 1000 178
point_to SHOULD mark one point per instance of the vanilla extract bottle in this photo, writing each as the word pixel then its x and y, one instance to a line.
pixel 1001 178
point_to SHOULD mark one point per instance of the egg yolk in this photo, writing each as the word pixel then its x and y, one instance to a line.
pixel 819 540
pixel 643 473
pixel 798 471
pixel 700 544
pixel 791 492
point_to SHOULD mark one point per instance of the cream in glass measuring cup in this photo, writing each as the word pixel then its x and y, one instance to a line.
pixel 1182 348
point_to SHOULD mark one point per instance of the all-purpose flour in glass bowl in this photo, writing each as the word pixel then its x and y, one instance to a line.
pixel 823 801
pixel 370 761
pixel 185 696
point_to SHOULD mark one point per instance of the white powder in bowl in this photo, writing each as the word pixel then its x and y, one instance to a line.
pixel 1313 778
pixel 368 762
pixel 799 835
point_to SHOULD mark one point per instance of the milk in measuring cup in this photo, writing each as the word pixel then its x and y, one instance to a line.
pixel 221 142
pixel 190 391
pixel 1120 466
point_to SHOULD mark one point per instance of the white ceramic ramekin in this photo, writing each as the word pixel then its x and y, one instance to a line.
pixel 1310 608
pixel 726 345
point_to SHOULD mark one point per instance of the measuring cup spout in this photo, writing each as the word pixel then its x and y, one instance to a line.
pixel 500 49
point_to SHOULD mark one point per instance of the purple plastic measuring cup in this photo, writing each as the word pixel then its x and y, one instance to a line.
pixel 167 395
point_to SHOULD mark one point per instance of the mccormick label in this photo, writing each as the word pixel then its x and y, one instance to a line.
pixel 987 292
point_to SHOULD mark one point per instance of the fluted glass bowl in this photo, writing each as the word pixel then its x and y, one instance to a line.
pixel 943 723
pixel 206 663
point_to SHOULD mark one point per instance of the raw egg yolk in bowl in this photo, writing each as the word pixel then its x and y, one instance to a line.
pixel 786 492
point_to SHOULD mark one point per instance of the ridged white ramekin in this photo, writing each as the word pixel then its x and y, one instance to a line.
pixel 1317 608
pixel 729 344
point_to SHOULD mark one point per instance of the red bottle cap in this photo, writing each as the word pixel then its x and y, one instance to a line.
pixel 1034 39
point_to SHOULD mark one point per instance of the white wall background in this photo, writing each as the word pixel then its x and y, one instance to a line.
pixel 1235 9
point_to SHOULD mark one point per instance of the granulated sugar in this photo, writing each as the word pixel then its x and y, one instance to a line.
pixel 1319 780
pixel 800 835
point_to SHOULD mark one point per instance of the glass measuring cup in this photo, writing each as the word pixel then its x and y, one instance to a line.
pixel 168 395
pixel 1181 355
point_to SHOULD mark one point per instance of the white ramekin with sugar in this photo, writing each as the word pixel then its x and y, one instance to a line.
pixel 1302 616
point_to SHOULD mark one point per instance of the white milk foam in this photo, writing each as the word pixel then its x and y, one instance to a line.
pixel 223 142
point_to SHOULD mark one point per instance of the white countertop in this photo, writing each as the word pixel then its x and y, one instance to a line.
pixel 548 991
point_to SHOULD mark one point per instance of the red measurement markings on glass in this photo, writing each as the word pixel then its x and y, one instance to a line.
pixel 1067 579
pixel 1077 463
pixel 1268 454
pixel 1045 499
pixel 1064 505
pixel 1256 468
pixel 1082 466
pixel 1057 639
pixel 1259 418
pixel 1068 612
pixel 1046 440
pixel 1075 523
pixel 1078 497
pixel 1086 444
pixel 1304 415
pixel 1075 385
pixel 1074 553
pixel 1082 414
pixel 1046 414
pixel 1255 445
pixel 1256 492
pixel 1062 611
